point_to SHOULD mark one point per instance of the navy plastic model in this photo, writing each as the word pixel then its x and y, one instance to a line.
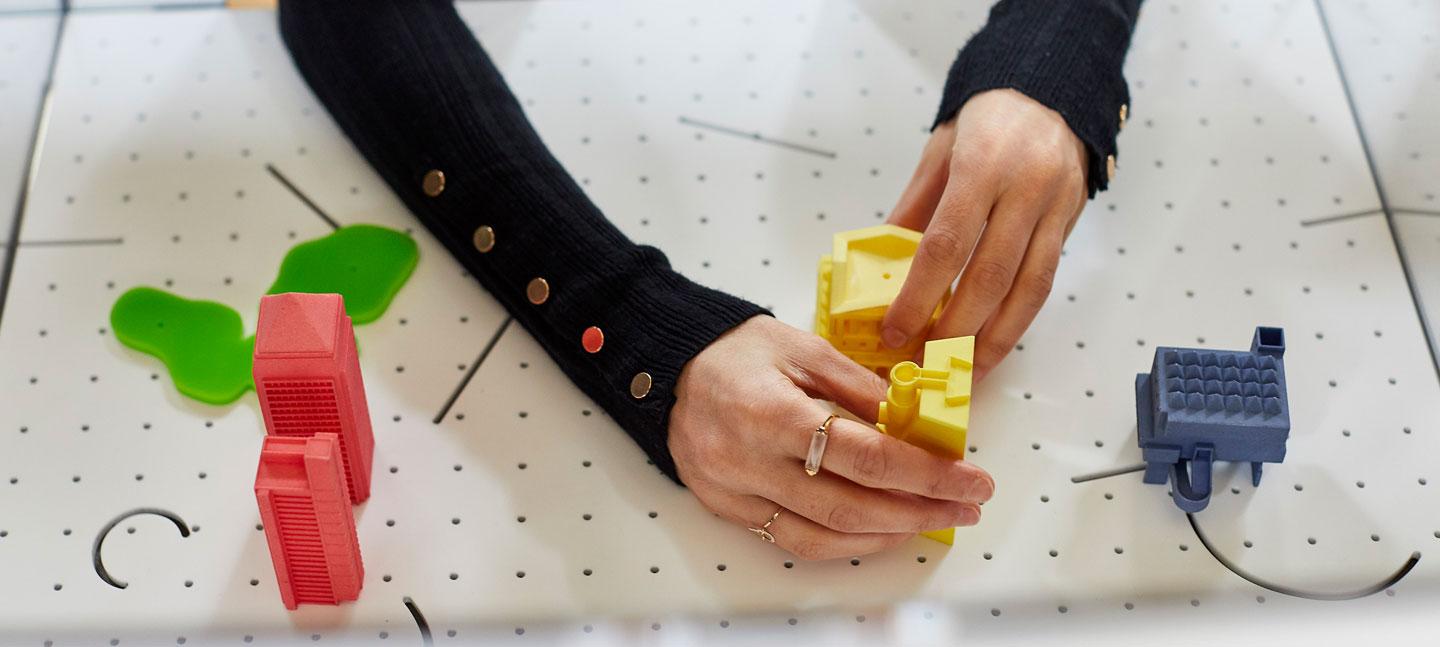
pixel 1199 406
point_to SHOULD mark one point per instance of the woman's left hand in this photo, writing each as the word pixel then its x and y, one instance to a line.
pixel 997 191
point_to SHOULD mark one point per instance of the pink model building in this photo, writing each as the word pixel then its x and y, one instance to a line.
pixel 308 377
pixel 305 508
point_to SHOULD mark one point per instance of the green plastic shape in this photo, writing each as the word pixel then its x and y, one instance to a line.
pixel 203 343
pixel 363 263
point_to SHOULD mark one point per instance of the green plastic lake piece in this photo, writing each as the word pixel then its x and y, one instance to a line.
pixel 363 263
pixel 203 343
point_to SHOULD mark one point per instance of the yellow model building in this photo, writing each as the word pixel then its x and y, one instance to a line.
pixel 858 280
pixel 929 407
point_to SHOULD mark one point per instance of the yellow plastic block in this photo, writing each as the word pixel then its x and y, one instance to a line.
pixel 857 281
pixel 929 407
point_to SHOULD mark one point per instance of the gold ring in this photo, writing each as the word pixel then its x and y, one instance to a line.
pixel 818 441
pixel 764 531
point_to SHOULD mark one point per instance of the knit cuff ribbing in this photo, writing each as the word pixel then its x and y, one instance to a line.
pixel 1067 56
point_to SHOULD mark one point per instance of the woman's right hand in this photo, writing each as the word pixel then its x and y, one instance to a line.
pixel 746 407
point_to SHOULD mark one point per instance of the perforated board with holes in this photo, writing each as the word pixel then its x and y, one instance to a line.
pixel 525 515
pixel 1391 52
pixel 29 38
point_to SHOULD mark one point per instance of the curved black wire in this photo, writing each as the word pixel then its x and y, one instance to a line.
pixel 1372 589
pixel 425 637
pixel 100 539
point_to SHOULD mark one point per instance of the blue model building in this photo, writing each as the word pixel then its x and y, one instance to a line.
pixel 1200 406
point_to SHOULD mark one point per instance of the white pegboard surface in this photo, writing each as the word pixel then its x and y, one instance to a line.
pixel 26 43
pixel 159 134
pixel 1391 54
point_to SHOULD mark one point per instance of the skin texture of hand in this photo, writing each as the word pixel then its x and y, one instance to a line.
pixel 746 408
pixel 996 193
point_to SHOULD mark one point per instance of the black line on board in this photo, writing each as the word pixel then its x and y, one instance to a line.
pixel 465 381
pixel 1105 474
pixel 1380 191
pixel 1344 216
pixel 187 6
pixel 301 194
pixel 72 242
pixel 425 637
pixel 755 136
pixel 139 6
pixel 1328 596
pixel 1417 212
pixel 7 265
pixel 105 531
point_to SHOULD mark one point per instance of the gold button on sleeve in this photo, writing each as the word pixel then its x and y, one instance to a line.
pixel 484 239
pixel 1109 167
pixel 434 182
pixel 1124 113
pixel 538 291
pixel 640 385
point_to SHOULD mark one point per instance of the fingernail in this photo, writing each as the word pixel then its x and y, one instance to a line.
pixel 893 337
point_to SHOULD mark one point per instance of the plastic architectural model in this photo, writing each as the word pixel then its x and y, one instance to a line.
pixel 858 280
pixel 1196 407
pixel 305 508
pixel 308 377
pixel 930 407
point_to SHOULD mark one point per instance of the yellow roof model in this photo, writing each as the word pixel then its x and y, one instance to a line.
pixel 869 265
pixel 929 407
pixel 857 281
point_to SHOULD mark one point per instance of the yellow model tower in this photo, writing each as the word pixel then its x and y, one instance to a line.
pixel 929 407
pixel 858 280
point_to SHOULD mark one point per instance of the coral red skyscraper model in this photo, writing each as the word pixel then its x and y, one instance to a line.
pixel 307 375
pixel 315 462
pixel 305 507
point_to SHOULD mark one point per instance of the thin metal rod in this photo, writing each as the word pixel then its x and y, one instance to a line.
pixel 303 198
pixel 1344 216
pixel 755 136
pixel 7 265
pixel 1095 476
pixel 484 353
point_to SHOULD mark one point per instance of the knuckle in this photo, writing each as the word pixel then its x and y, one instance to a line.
pixel 872 462
pixel 1034 288
pixel 996 348
pixel 941 247
pixel 990 278
pixel 845 517
pixel 937 486
pixel 816 348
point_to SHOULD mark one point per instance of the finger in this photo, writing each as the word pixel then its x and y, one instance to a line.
pixel 865 456
pixel 946 245
pixel 1037 275
pixel 822 372
pixel 802 537
pixel 991 271
pixel 921 196
pixel 844 506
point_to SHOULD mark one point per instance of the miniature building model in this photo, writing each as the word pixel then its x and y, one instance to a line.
pixel 307 375
pixel 1200 406
pixel 305 509
pixel 858 280
pixel 930 406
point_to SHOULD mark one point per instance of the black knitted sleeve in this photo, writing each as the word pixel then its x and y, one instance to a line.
pixel 413 90
pixel 1065 54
